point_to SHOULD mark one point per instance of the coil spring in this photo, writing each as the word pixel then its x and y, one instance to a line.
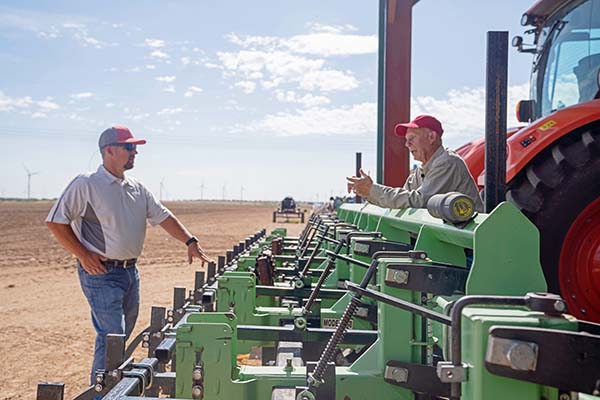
pixel 317 289
pixel 336 338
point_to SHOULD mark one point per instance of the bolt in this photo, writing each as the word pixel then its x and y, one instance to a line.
pixel 449 374
pixel 583 311
pixel 197 392
pixel 564 396
pixel 99 378
pixel 559 306
pixel 401 276
pixel 197 374
pixel 98 387
pixel 399 374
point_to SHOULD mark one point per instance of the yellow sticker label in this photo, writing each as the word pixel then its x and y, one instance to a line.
pixel 547 125
pixel 463 207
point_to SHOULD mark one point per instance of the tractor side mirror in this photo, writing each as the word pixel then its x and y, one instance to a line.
pixel 525 110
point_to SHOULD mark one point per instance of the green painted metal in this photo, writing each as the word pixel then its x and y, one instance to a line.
pixel 481 384
pixel 505 244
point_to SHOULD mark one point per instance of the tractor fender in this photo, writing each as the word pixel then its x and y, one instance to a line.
pixel 524 143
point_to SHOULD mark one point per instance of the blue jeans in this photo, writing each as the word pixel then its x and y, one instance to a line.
pixel 114 300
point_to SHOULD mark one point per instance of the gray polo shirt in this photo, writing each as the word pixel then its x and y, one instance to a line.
pixel 444 172
pixel 108 214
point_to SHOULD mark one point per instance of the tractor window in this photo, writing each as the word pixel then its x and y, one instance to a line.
pixel 573 58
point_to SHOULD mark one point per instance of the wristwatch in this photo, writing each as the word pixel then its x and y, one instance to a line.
pixel 191 240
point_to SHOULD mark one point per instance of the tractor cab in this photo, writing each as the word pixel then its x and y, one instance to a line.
pixel 566 49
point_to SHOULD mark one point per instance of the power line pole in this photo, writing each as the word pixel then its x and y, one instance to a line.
pixel 242 193
pixel 202 191
pixel 224 186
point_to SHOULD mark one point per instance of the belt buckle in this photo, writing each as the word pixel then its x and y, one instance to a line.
pixel 124 264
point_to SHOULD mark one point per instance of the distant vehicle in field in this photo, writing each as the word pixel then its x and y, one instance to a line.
pixel 288 210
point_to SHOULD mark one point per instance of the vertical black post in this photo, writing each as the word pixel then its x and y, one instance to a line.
pixel 50 391
pixel 115 351
pixel 358 199
pixel 495 119
pixel 220 264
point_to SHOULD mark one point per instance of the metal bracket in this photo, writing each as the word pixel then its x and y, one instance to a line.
pixel 512 352
pixel 449 373
pixel 415 377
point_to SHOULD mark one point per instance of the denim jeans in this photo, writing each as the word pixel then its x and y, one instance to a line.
pixel 114 300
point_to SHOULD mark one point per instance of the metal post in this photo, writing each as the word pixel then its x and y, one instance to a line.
pixel 495 119
pixel 358 199
pixel 395 20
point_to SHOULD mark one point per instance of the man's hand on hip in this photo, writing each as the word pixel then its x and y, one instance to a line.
pixel 194 250
pixel 360 185
pixel 92 263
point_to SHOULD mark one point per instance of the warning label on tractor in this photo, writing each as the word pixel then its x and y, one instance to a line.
pixel 334 322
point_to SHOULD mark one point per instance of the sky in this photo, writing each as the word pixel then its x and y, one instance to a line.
pixel 252 100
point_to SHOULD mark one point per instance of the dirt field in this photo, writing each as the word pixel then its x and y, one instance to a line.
pixel 45 332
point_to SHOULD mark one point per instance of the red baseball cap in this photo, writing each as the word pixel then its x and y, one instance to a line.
pixel 422 121
pixel 118 134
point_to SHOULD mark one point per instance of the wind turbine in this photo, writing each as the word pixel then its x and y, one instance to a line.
pixel 29 175
pixel 162 187
pixel 242 189
pixel 202 191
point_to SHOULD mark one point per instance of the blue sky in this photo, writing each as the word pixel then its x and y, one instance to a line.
pixel 258 99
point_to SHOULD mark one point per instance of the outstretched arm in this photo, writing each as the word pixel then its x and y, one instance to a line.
pixel 176 229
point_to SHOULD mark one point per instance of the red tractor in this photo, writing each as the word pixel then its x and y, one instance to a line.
pixel 553 163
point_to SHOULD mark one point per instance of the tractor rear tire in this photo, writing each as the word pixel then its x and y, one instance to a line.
pixel 559 191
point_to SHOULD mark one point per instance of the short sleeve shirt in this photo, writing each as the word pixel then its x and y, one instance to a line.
pixel 108 214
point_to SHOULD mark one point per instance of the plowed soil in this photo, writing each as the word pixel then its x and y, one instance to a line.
pixel 45 329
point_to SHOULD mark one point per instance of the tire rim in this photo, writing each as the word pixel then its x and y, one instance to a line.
pixel 579 268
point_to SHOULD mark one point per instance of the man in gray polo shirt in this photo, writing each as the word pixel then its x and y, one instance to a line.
pixel 101 219
pixel 442 170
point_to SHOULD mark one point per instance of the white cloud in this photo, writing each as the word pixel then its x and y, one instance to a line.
pixel 461 111
pixel 48 105
pixel 185 60
pixel 328 81
pixel 138 117
pixel 159 54
pixel 166 79
pixel 170 111
pixel 211 65
pixel 81 96
pixel 247 86
pixel 358 119
pixel 81 34
pixel 332 44
pixel 27 105
pixel 325 41
pixel 308 100
pixel 169 89
pixel 133 69
pixel 318 27
pixel 109 105
pixel 155 43
pixel 192 90
pixel 150 66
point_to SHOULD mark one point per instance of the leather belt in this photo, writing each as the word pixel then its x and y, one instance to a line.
pixel 120 263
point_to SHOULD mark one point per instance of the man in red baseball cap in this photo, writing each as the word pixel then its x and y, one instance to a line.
pixel 101 219
pixel 441 170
